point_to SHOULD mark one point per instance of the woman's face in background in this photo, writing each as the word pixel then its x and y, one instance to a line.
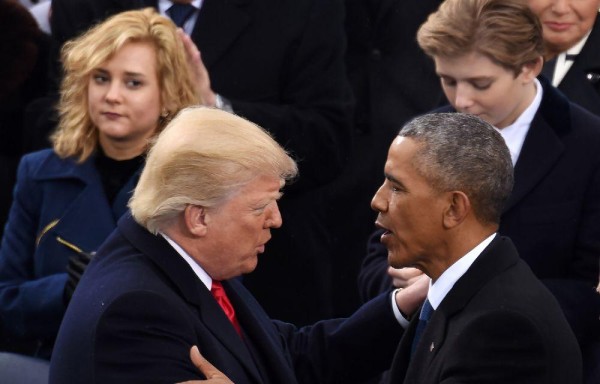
pixel 124 100
pixel 565 22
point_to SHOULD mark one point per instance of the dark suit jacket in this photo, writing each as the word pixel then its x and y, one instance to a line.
pixel 139 308
pixel 498 324
pixel 280 63
pixel 392 80
pixel 581 84
pixel 54 198
pixel 553 213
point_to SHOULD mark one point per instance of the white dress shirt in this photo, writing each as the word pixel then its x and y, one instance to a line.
pixel 514 134
pixel 443 285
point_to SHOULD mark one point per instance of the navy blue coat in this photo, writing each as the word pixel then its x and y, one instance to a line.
pixel 54 199
pixel 139 308
pixel 552 215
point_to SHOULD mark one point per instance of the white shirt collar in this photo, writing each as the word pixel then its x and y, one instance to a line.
pixel 439 290
pixel 201 273
pixel 563 65
pixel 514 134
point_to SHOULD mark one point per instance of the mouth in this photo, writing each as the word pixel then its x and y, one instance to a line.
pixel 386 232
pixel 111 115
pixel 558 27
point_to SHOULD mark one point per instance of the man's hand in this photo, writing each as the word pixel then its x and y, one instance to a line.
pixel 403 277
pixel 411 297
pixel 212 374
pixel 198 70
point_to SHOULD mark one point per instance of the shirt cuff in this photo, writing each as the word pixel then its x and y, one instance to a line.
pixel 399 316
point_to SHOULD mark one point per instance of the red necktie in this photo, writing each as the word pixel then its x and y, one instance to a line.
pixel 219 294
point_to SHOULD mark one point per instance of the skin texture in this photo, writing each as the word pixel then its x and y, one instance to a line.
pixel 233 233
pixel 476 85
pixel 124 100
pixel 565 22
pixel 411 212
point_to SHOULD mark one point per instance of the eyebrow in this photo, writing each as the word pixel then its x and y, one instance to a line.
pixel 476 78
pixel 392 178
pixel 127 73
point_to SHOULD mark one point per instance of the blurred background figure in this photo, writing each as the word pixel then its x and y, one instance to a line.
pixel 572 37
pixel 553 213
pixel 392 81
pixel 280 65
pixel 124 80
pixel 24 49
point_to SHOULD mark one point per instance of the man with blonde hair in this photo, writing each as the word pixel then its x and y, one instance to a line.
pixel 165 280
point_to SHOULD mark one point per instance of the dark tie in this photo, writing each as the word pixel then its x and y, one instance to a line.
pixel 220 296
pixel 179 13
pixel 424 316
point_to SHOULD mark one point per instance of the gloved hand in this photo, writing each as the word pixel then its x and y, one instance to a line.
pixel 77 264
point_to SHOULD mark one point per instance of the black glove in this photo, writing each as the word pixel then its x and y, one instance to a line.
pixel 77 264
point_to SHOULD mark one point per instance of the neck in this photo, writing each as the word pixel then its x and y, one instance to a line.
pixel 462 241
pixel 124 151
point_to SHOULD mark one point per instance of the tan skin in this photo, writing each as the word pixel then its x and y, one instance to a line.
pixel 425 229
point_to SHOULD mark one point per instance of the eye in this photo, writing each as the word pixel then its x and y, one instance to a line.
pixel 448 82
pixel 100 78
pixel 133 83
pixel 482 85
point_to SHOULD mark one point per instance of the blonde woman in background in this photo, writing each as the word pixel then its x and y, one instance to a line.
pixel 124 80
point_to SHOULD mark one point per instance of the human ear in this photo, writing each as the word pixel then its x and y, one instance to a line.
pixel 532 69
pixel 195 220
pixel 458 208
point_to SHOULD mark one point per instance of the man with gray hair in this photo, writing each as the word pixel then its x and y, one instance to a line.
pixel 165 280
pixel 487 318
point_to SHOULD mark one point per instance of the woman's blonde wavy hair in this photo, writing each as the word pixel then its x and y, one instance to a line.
pixel 76 135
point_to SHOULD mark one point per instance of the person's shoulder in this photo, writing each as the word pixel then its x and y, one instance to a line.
pixel 46 164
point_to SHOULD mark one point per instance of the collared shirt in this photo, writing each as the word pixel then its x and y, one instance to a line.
pixel 563 65
pixel 443 285
pixel 198 270
pixel 514 134
pixel 188 26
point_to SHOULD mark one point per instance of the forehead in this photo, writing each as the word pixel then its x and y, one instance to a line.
pixel 140 56
pixel 467 66
pixel 400 156
pixel 258 189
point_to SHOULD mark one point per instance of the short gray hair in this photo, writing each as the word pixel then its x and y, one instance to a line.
pixel 461 152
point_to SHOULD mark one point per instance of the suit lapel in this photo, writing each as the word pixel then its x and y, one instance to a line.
pixel 542 147
pixel 88 211
pixel 498 256
pixel 219 23
pixel 271 360
pixel 191 288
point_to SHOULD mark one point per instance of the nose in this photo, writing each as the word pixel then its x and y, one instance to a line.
pixel 113 93
pixel 462 99
pixel 274 220
pixel 379 201
pixel 560 6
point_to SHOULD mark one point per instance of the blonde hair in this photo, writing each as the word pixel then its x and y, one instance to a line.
pixel 203 157
pixel 76 135
pixel 506 31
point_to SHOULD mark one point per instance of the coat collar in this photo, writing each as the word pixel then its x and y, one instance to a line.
pixel 500 255
pixel 543 144
pixel 194 291
pixel 218 25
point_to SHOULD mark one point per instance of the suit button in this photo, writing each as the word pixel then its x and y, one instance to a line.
pixel 593 77
pixel 376 54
